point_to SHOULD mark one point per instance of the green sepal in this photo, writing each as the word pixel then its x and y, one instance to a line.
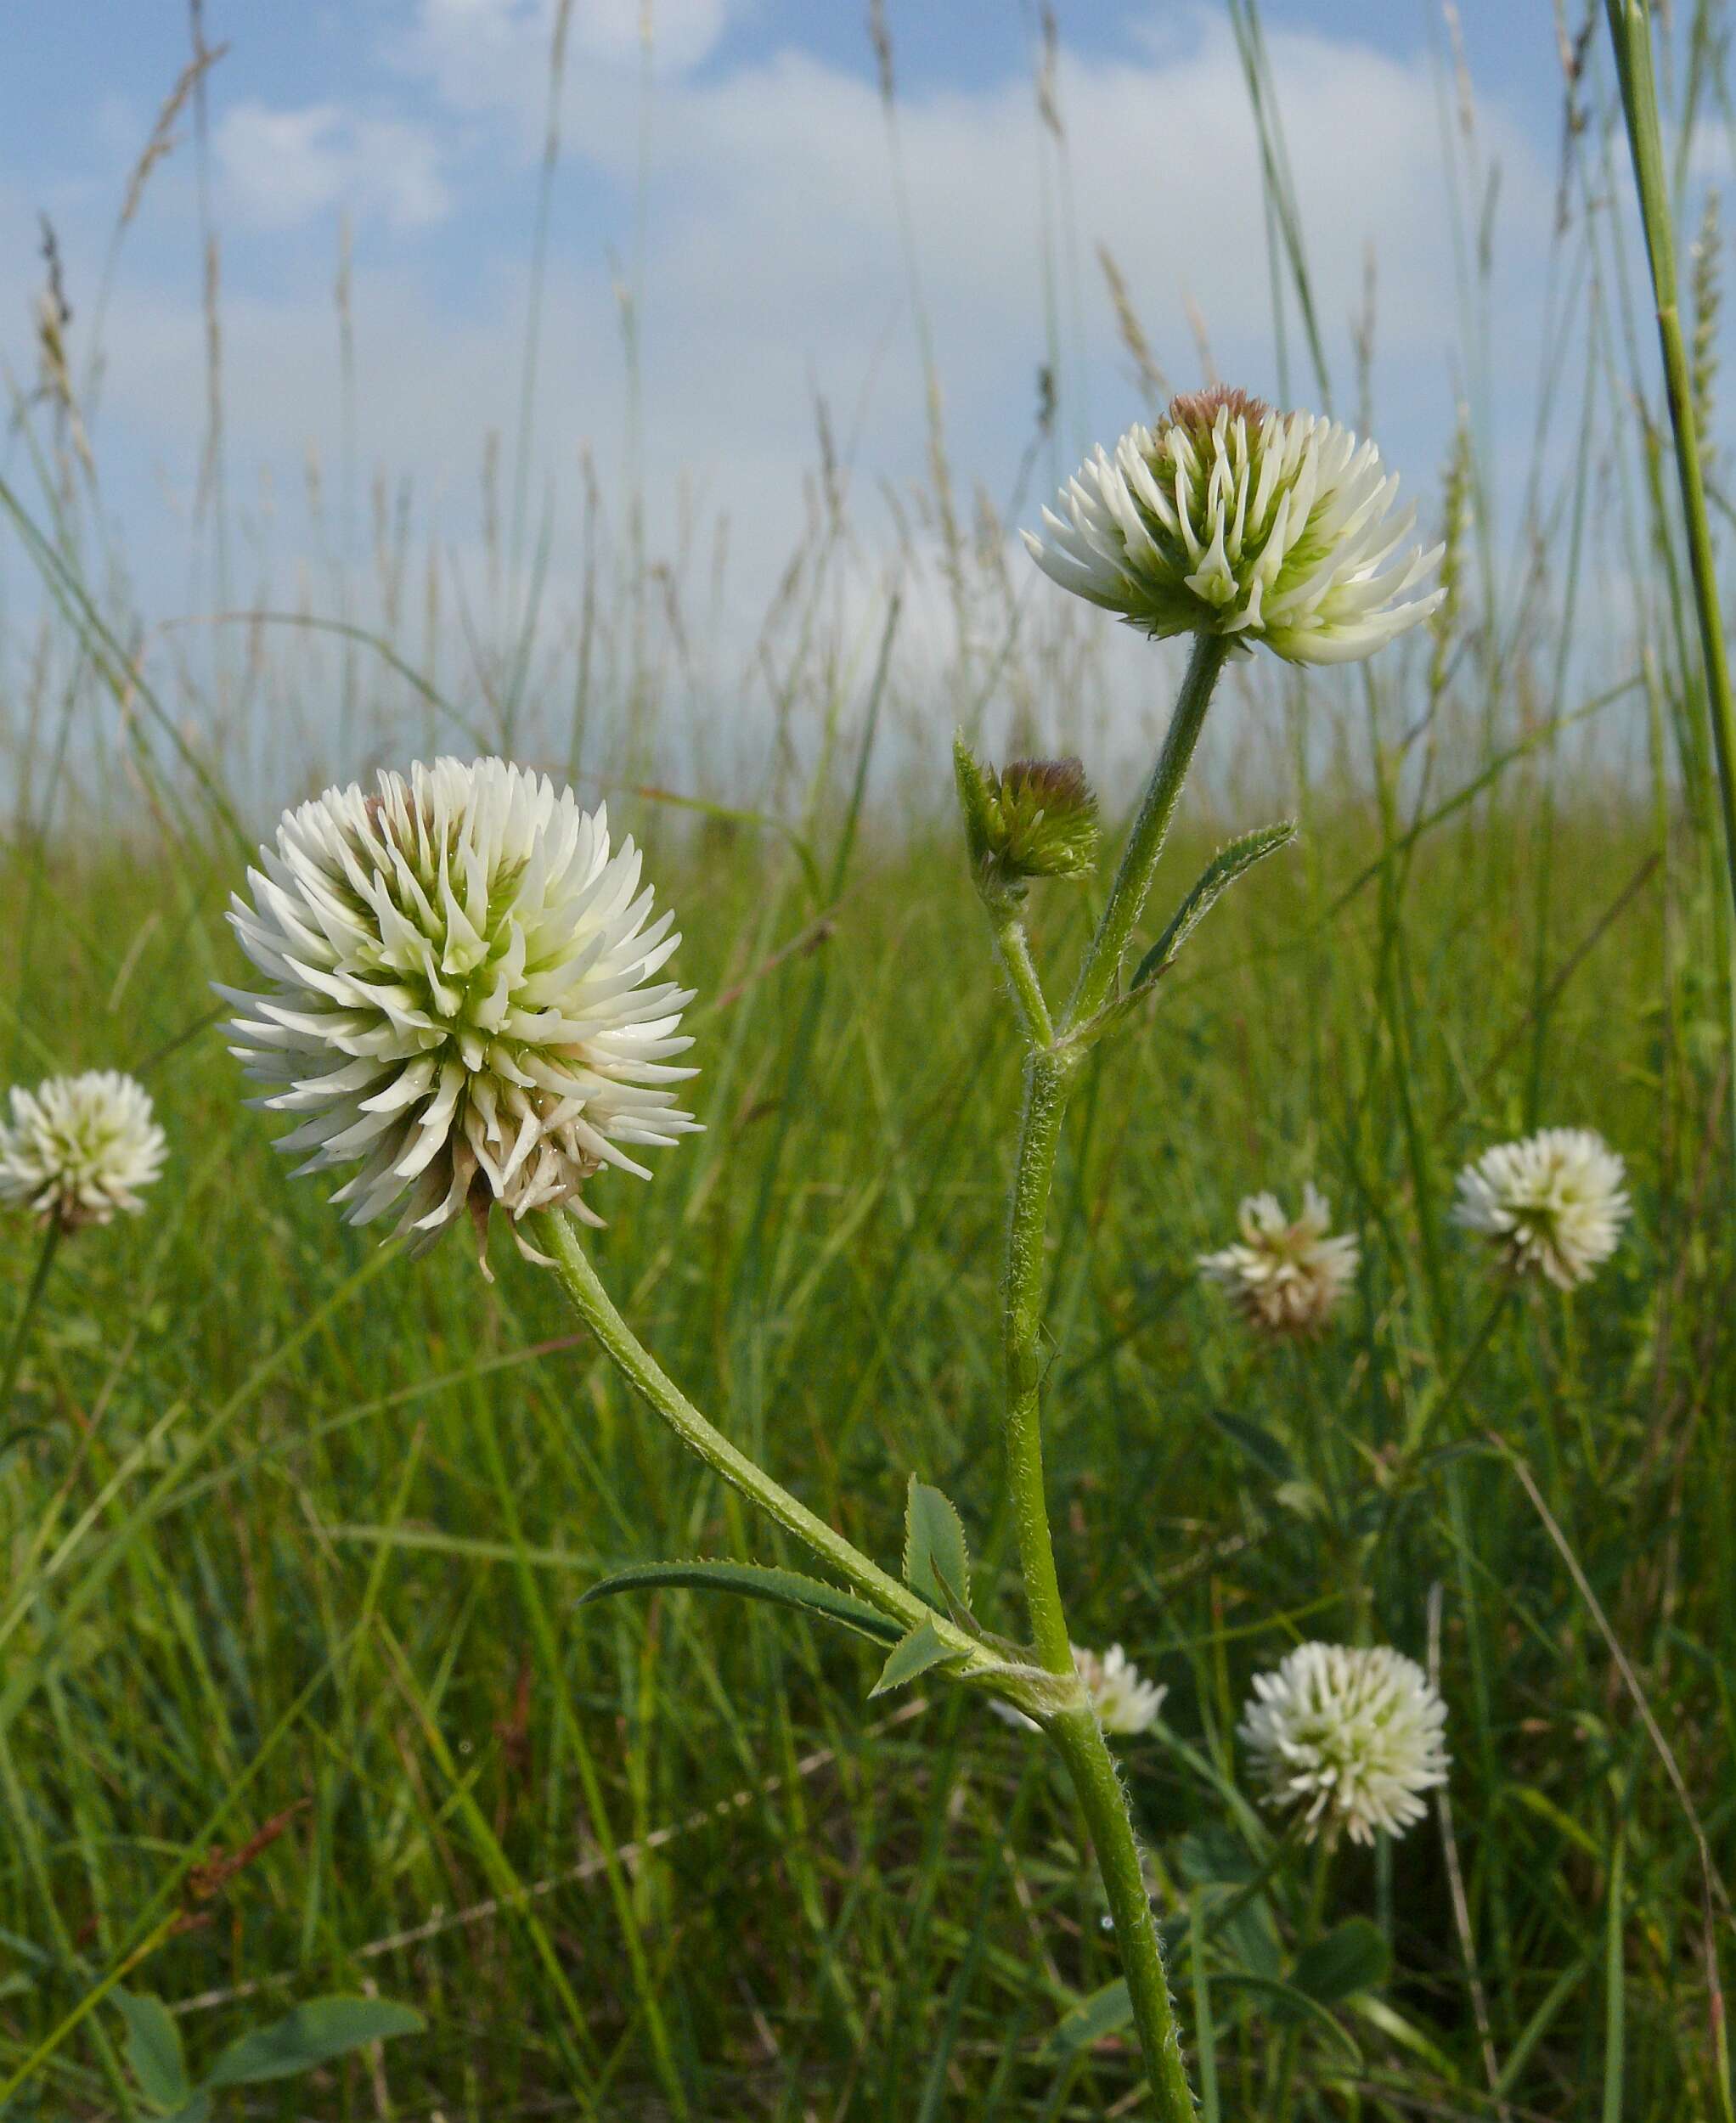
pixel 755 1581
pixel 975 802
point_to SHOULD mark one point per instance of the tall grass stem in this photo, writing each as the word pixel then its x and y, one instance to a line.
pixel 32 1298
pixel 1630 34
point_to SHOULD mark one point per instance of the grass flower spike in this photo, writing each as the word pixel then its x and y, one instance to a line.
pixel 1353 1736
pixel 1230 519
pixel 1553 1203
pixel 461 1001
pixel 78 1148
pixel 1285 1278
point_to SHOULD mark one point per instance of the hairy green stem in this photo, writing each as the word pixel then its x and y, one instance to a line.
pixel 32 1298
pixel 1104 1804
pixel 559 1238
pixel 1039 1137
pixel 1630 34
pixel 1048 1073
pixel 1102 968
pixel 1015 948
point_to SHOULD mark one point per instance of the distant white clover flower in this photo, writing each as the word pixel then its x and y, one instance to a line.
pixel 1353 1736
pixel 1554 1202
pixel 1230 519
pixel 78 1148
pixel 459 1003
pixel 1124 1704
pixel 1285 1278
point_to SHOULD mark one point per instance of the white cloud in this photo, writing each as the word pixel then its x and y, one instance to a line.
pixel 495 55
pixel 773 265
pixel 280 167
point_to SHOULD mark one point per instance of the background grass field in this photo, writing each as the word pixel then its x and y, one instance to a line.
pixel 296 1531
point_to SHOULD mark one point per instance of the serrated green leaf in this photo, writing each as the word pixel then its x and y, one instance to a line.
pixel 754 1581
pixel 1351 1958
pixel 936 1560
pixel 914 1654
pixel 1105 2012
pixel 313 2034
pixel 1230 862
pixel 154 2051
pixel 197 2111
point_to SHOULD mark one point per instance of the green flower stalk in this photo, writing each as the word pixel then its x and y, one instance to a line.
pixel 1234 525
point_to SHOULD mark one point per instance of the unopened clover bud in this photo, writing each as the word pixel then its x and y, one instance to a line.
pixel 1034 818
pixel 1049 818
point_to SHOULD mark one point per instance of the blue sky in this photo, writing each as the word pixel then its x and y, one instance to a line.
pixel 771 264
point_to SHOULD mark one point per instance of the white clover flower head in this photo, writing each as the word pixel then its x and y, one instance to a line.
pixel 1124 1704
pixel 1354 1736
pixel 78 1148
pixel 1228 518
pixel 1285 1278
pixel 460 1001
pixel 1553 1204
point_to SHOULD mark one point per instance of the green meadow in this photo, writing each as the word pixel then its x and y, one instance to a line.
pixel 297 1697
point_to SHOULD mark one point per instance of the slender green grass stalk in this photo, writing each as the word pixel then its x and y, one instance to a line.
pixel 1630 37
pixel 33 1298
